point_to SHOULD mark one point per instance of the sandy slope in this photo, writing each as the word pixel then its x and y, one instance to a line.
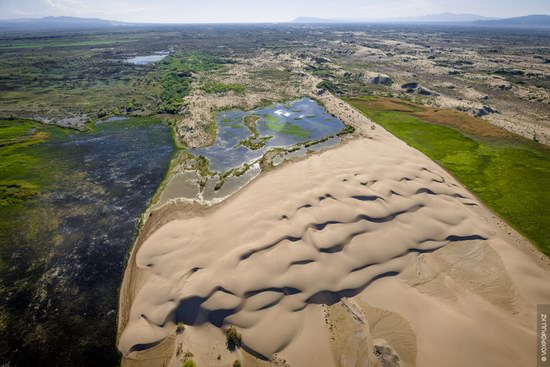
pixel 363 254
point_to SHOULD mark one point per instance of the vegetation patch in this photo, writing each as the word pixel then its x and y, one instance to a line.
pixel 73 77
pixel 175 73
pixel 235 172
pixel 47 194
pixel 255 141
pixel 250 122
pixel 212 87
pixel 288 129
pixel 90 42
pixel 21 170
pixel 348 129
pixel 233 338
pixel 270 118
pixel 505 171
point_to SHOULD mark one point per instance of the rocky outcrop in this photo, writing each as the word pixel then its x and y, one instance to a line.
pixel 379 79
pixel 410 87
pixel 414 87
pixel 484 111
pixel 386 355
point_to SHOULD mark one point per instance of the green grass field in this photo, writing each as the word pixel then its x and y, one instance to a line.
pixel 22 170
pixel 508 173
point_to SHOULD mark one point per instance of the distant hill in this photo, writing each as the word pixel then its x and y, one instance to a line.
pixel 315 20
pixel 432 18
pixel 444 18
pixel 58 23
pixel 530 21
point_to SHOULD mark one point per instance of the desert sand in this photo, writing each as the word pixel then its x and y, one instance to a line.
pixel 368 254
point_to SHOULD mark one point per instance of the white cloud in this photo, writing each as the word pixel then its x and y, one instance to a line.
pixel 68 6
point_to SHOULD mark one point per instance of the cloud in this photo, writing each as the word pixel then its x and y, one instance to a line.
pixel 21 12
pixel 67 6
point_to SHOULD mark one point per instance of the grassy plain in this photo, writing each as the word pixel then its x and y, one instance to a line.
pixel 510 174
pixel 79 74
pixel 21 169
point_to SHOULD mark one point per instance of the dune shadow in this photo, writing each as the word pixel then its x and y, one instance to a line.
pixel 330 297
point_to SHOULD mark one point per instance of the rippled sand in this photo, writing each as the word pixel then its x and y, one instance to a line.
pixel 366 252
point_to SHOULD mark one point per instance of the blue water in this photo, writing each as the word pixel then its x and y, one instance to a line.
pixel 144 60
pixel 226 153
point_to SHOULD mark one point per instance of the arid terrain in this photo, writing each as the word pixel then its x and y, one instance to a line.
pixel 333 195
pixel 336 273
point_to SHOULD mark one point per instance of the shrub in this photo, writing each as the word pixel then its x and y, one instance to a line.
pixel 189 363
pixel 188 355
pixel 237 364
pixel 217 88
pixel 180 328
pixel 233 337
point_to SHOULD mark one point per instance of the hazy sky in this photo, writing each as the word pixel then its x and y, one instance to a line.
pixel 200 11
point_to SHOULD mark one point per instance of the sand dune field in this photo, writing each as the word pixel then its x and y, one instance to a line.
pixel 368 254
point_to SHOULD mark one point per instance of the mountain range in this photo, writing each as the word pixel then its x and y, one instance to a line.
pixel 58 23
pixel 432 18
pixel 67 23
pixel 529 21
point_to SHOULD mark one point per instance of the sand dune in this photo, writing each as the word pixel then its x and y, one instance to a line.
pixel 371 225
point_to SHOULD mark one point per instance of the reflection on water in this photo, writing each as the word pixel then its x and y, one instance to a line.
pixel 144 60
pixel 231 185
pixel 295 129
pixel 111 119
pixel 76 234
pixel 300 153
pixel 298 122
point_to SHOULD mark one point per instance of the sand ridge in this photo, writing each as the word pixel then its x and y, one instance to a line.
pixel 311 233
pixel 373 228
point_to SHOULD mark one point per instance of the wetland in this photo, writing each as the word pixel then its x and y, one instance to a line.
pixel 291 129
pixel 68 223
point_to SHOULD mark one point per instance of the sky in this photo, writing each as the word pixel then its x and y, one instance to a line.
pixel 227 11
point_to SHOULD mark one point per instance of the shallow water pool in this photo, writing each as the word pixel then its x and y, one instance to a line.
pixel 281 125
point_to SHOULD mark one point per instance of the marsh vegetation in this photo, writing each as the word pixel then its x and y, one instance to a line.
pixel 66 229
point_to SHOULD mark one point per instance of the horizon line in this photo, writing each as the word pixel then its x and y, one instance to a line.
pixel 343 20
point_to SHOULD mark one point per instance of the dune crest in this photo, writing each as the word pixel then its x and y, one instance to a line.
pixel 310 233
